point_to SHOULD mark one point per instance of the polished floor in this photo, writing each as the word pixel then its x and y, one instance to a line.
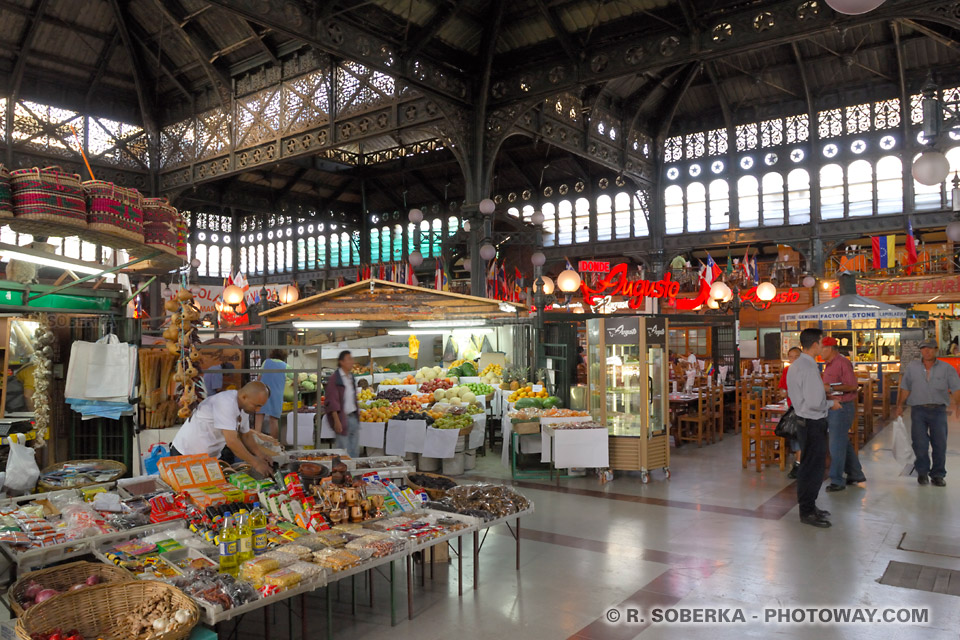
pixel 714 536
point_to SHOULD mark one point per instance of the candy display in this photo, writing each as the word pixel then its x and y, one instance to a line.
pixel 487 501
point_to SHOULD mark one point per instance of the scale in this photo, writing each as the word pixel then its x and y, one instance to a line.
pixel 16 423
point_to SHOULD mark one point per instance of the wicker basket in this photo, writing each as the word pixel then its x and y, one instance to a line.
pixel 435 494
pixel 182 233
pixel 117 470
pixel 6 197
pixel 94 611
pixel 114 210
pixel 63 577
pixel 160 225
pixel 49 195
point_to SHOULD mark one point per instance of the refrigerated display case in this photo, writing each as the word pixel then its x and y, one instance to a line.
pixel 627 360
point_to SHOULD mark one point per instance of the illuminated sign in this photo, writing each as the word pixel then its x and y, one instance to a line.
pixel 617 284
pixel 783 297
pixel 594 266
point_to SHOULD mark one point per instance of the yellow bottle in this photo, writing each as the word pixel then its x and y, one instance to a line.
pixel 229 546
pixel 246 537
pixel 258 522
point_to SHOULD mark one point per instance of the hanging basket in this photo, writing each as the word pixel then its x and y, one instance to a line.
pixel 114 210
pixel 160 225
pixel 6 197
pixel 48 195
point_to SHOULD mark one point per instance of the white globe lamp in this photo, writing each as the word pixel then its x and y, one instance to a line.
pixel 766 291
pixel 488 252
pixel 853 7
pixel 568 281
pixel 931 168
pixel 466 226
pixel 719 290
pixel 415 216
pixel 233 294
pixel 809 282
pixel 415 259
pixel 288 294
pixel 487 206
pixel 538 259
pixel 547 285
pixel 536 218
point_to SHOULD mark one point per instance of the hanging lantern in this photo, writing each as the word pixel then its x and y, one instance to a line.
pixel 488 252
pixel 931 168
pixel 568 281
pixel 487 206
pixel 854 7
pixel 538 259
pixel 547 285
pixel 536 218
pixel 233 294
pixel 415 259
pixel 719 290
pixel 415 216
pixel 288 294
pixel 766 291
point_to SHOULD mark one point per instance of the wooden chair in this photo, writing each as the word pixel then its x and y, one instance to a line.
pixel 716 407
pixel 698 423
pixel 758 442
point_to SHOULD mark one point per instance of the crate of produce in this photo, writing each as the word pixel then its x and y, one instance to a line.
pixel 115 611
pixel 61 578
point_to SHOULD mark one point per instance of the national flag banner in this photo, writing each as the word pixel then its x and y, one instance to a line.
pixel 492 279
pixel 746 262
pixel 756 271
pixel 382 272
pixel 912 258
pixel 884 251
pixel 410 276
pixel 502 280
pixel 437 277
pixel 713 268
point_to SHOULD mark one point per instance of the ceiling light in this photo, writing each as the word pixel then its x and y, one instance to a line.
pixel 931 168
pixel 26 254
pixel 445 323
pixel 487 206
pixel 326 324
pixel 568 281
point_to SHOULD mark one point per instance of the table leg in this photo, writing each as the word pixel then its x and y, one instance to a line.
pixel 303 616
pixel 476 560
pixel 409 588
pixel 353 594
pixel 518 544
pixel 266 623
pixel 423 568
pixel 370 585
pixel 460 565
pixel 393 599
pixel 432 560
pixel 329 613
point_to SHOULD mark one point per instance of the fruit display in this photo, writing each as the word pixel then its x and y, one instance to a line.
pixel 479 388
pixel 450 421
pixel 492 374
pixel 392 395
pixel 182 340
pixel 399 367
pixel 455 395
pixel 526 392
pixel 392 381
pixel 373 404
pixel 57 634
pixel 378 414
pixel 414 415
pixel 473 409
pixel 437 383
pixel 428 373
pixel 426 398
pixel 366 394
pixel 408 403
pixel 580 425
pixel 526 413
pixel 465 370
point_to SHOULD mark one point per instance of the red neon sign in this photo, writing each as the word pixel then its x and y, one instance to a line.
pixel 594 266
pixel 617 284
pixel 783 297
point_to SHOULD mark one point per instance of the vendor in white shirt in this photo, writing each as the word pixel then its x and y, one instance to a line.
pixel 222 423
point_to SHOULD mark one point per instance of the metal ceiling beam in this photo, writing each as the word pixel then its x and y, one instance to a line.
pixel 26 43
pixel 20 10
pixel 441 18
pixel 425 183
pixel 260 43
pixel 935 35
pixel 523 171
pixel 802 74
pixel 218 78
pixel 848 58
pixel 711 70
pixel 157 58
pixel 296 18
pixel 102 61
pixel 643 95
pixel 383 189
pixel 139 77
pixel 292 182
pixel 556 26
pixel 637 49
pixel 339 191
pixel 667 114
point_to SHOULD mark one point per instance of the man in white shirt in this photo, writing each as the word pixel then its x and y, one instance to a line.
pixel 222 422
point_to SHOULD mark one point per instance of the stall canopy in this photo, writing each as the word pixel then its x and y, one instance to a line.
pixel 847 306
pixel 382 301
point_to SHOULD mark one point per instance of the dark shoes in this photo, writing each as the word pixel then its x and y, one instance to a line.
pixel 815 519
pixel 793 471
pixel 823 513
pixel 923 479
pixel 836 487
pixel 938 482
pixel 849 481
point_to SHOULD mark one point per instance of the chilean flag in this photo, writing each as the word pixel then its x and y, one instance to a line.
pixel 912 258
pixel 713 270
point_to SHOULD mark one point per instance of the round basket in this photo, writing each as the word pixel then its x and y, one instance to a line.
pixel 63 577
pixel 95 611
pixel 435 494
pixel 114 468
pixel 6 196
pixel 48 195
pixel 160 225
pixel 114 210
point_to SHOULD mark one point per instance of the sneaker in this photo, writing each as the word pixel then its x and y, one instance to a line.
pixel 793 471
pixel 923 479
pixel 938 482
pixel 836 487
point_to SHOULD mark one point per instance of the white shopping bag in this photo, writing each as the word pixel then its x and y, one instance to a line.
pixel 902 443
pixel 22 470
pixel 109 369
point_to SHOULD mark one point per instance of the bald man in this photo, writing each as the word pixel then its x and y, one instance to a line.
pixel 221 425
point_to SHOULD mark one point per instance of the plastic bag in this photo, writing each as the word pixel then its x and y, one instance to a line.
pixel 902 443
pixel 22 470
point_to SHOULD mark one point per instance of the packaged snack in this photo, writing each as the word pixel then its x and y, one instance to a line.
pixel 253 571
pixel 307 570
pixel 283 578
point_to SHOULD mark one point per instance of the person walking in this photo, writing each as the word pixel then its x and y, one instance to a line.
pixel 806 392
pixel 928 386
pixel 274 377
pixel 792 354
pixel 340 405
pixel 839 377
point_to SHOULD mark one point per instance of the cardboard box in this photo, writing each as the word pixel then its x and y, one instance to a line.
pixel 526 428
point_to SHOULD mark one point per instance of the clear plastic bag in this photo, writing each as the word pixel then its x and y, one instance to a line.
pixel 902 443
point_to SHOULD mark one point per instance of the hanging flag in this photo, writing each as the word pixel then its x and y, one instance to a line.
pixel 382 272
pixel 502 279
pixel 746 262
pixel 884 251
pixel 410 276
pixel 756 271
pixel 912 258
pixel 492 279
pixel 437 278
pixel 714 270
pixel 729 268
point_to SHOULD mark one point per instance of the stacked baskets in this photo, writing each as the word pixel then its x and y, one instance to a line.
pixel 48 195
pixel 6 198
pixel 114 210
pixel 160 222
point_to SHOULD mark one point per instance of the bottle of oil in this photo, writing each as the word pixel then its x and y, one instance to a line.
pixel 246 537
pixel 258 523
pixel 229 547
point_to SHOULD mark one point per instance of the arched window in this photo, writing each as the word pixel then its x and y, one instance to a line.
pixel 411 238
pixel 772 199
pixel 673 208
pixel 385 253
pixel 605 218
pixel 719 205
pixel 271 258
pixel 889 185
pixel 374 245
pixel 453 225
pixel 346 250
pixel 355 248
pixel 226 259
pixel 860 188
pixel 621 215
pixel 513 211
pixel 243 260
pixel 798 196
pixel 260 261
pixel 696 207
pixel 397 242
pixel 435 240
pixel 549 224
pixel 527 212
pixel 564 223
pixel 748 190
pixel 831 192
pixel 928 197
pixel 312 254
pixel 301 254
pixel 583 221
pixel 334 251
pixel 281 257
pixel 200 252
pixel 322 252
pixel 641 214
pixel 425 246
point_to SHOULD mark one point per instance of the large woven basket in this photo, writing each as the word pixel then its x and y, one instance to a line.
pixel 6 197
pixel 114 210
pixel 160 225
pixel 94 611
pixel 62 578
pixel 116 469
pixel 182 233
pixel 49 195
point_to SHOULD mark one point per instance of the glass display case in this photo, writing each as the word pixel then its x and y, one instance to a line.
pixel 627 387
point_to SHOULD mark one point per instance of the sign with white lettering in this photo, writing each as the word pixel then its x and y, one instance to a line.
pixel 622 330
pixel 656 331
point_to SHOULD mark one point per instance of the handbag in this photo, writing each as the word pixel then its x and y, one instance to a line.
pixel 788 424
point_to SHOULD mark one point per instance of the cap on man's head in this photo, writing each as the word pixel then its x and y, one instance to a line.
pixel 928 344
pixel 829 341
